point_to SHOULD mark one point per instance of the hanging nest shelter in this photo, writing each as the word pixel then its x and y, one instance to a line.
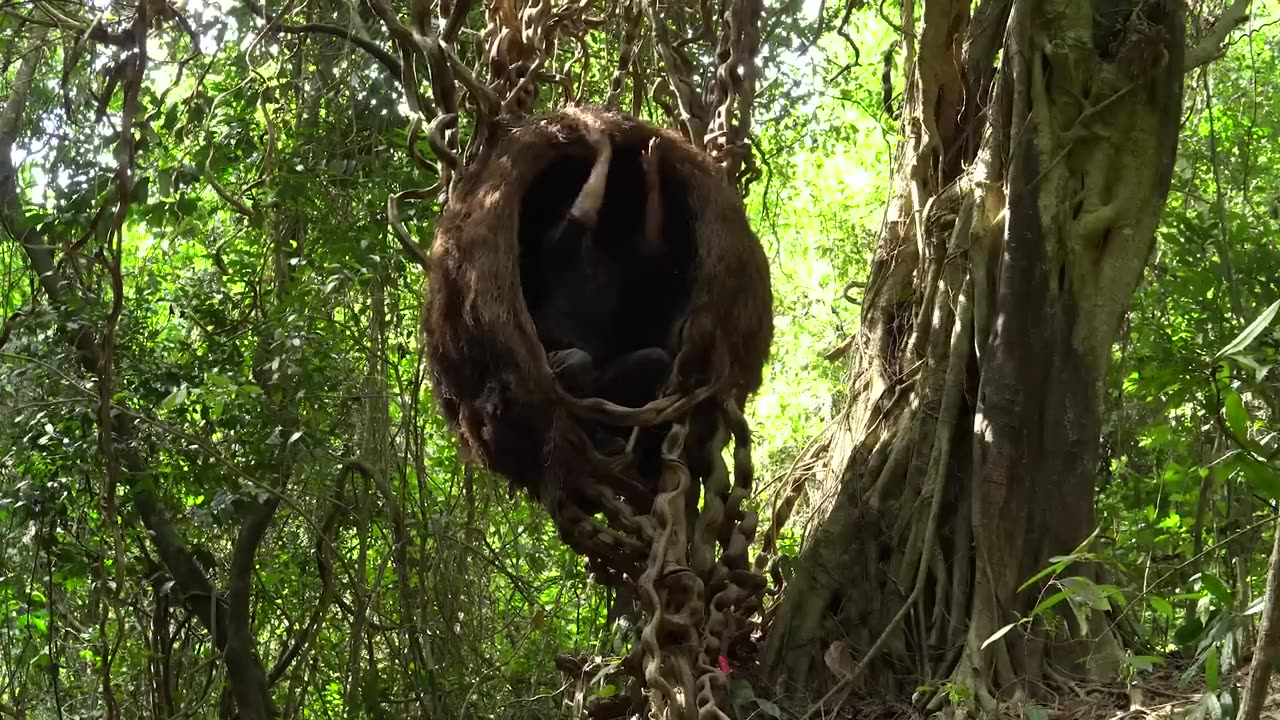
pixel 710 306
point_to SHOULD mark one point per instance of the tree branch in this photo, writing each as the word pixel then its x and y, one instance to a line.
pixel 1211 46
pixel 324 563
pixel 10 324
pixel 193 584
pixel 248 677
pixel 386 59
pixel 96 30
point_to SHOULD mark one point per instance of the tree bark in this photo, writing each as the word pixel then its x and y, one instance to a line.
pixel 1024 213
pixel 1266 654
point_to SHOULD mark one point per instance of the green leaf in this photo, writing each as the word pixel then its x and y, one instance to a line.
pixel 219 380
pixel 1256 607
pixel 1259 370
pixel 186 205
pixel 740 691
pixel 35 621
pixel 1086 592
pixel 140 191
pixel 1216 589
pixel 1144 663
pixel 1160 605
pixel 1053 569
pixel 1213 706
pixel 175 398
pixel 1211 669
pixel 768 708
pixel 997 635
pixel 1237 415
pixel 1061 561
pixel 1049 602
pixel 1263 478
pixel 170 121
pixel 1189 632
pixel 1251 333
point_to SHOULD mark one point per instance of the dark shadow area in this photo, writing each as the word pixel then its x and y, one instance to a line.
pixel 653 291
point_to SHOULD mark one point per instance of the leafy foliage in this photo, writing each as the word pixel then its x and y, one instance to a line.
pixel 266 310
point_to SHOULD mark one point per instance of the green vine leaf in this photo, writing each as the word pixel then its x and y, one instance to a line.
pixel 1251 333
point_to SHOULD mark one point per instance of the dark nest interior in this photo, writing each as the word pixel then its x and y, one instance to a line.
pixel 653 296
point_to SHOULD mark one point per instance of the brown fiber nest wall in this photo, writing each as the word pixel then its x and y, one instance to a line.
pixel 489 369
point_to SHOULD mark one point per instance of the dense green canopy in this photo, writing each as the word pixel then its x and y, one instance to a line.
pixel 212 392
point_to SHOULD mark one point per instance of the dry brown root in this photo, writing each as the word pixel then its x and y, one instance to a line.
pixel 667 670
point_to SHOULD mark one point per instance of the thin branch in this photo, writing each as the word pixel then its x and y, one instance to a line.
pixel 236 203
pixel 400 555
pixel 95 31
pixel 10 324
pixel 1265 652
pixel 693 110
pixel 197 592
pixel 248 682
pixel 1211 46
pixel 394 216
pixel 387 60
pixel 324 549
pixel 377 52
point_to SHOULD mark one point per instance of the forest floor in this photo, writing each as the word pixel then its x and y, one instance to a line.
pixel 1159 695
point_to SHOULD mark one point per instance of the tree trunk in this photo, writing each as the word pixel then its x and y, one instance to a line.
pixel 1028 193
pixel 1266 654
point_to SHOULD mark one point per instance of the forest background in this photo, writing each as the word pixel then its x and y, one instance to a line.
pixel 249 295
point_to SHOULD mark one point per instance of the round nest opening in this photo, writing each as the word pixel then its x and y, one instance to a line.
pixel 658 281
pixel 650 295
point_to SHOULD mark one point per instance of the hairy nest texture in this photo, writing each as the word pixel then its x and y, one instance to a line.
pixel 490 369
